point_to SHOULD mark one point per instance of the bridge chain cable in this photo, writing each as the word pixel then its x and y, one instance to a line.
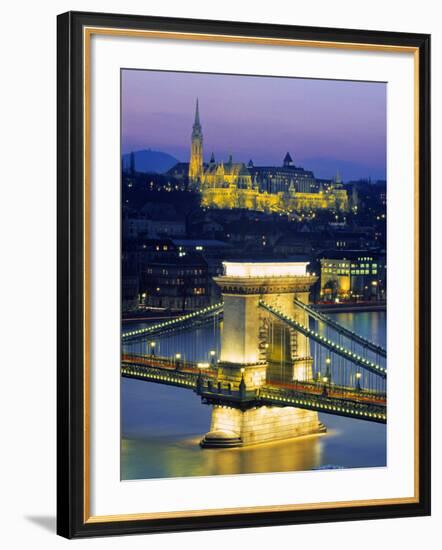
pixel 326 342
pixel 182 321
pixel 351 335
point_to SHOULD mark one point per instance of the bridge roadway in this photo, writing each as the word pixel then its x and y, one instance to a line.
pixel 331 399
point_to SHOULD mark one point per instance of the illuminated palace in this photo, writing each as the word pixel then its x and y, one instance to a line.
pixel 283 189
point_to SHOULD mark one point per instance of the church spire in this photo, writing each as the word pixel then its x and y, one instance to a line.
pixel 197 114
pixel 196 151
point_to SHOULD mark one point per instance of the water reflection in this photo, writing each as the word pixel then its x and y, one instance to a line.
pixel 171 457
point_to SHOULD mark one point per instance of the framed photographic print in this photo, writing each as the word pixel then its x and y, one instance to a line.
pixel 243 274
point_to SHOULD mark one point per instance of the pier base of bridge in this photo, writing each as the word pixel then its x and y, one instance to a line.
pixel 231 427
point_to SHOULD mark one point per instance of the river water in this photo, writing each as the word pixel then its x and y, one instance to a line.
pixel 161 427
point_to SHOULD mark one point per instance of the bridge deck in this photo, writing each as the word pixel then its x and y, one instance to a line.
pixel 332 399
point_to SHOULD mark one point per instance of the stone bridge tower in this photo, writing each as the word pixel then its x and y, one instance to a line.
pixel 247 352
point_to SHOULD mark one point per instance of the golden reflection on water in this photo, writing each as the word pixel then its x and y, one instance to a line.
pixel 182 458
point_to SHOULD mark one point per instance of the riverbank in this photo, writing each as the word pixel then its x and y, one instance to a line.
pixel 349 307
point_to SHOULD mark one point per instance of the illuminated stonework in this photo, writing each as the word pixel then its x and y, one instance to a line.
pixel 284 203
pixel 243 285
pixel 265 269
pixel 246 354
pixel 233 427
pixel 230 185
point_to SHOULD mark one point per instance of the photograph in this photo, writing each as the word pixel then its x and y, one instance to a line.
pixel 253 274
pixel 243 232
pixel 227 216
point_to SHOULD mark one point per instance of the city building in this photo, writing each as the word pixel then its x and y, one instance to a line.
pixel 214 252
pixel 282 178
pixel 352 276
pixel 174 280
pixel 231 185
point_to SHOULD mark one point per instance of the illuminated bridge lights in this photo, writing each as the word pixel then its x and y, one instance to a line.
pixel 340 328
pixel 268 396
pixel 321 339
pixel 173 322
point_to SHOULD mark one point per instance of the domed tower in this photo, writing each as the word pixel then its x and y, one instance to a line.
pixel 196 151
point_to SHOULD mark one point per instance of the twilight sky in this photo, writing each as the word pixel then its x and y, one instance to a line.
pixel 326 125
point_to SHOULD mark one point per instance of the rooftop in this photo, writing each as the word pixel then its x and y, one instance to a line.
pixel 265 269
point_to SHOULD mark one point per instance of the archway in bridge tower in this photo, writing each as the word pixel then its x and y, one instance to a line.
pixel 279 346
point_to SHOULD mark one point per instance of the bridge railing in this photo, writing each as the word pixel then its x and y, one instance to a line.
pixel 209 374
pixel 330 388
pixel 332 399
pixel 160 376
pixel 167 363
pixel 374 412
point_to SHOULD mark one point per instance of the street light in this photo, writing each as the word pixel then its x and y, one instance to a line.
pixel 152 348
pixel 212 354
pixel 177 360
pixel 242 384
pixel 358 381
pixel 327 370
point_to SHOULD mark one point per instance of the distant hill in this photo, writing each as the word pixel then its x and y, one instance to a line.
pixel 150 161
pixel 348 170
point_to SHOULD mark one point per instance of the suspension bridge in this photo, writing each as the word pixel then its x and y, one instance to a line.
pixel 263 358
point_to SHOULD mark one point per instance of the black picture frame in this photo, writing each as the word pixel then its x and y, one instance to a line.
pixel 71 395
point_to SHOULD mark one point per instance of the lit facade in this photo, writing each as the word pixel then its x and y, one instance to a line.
pixel 173 280
pixel 355 276
pixel 285 189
